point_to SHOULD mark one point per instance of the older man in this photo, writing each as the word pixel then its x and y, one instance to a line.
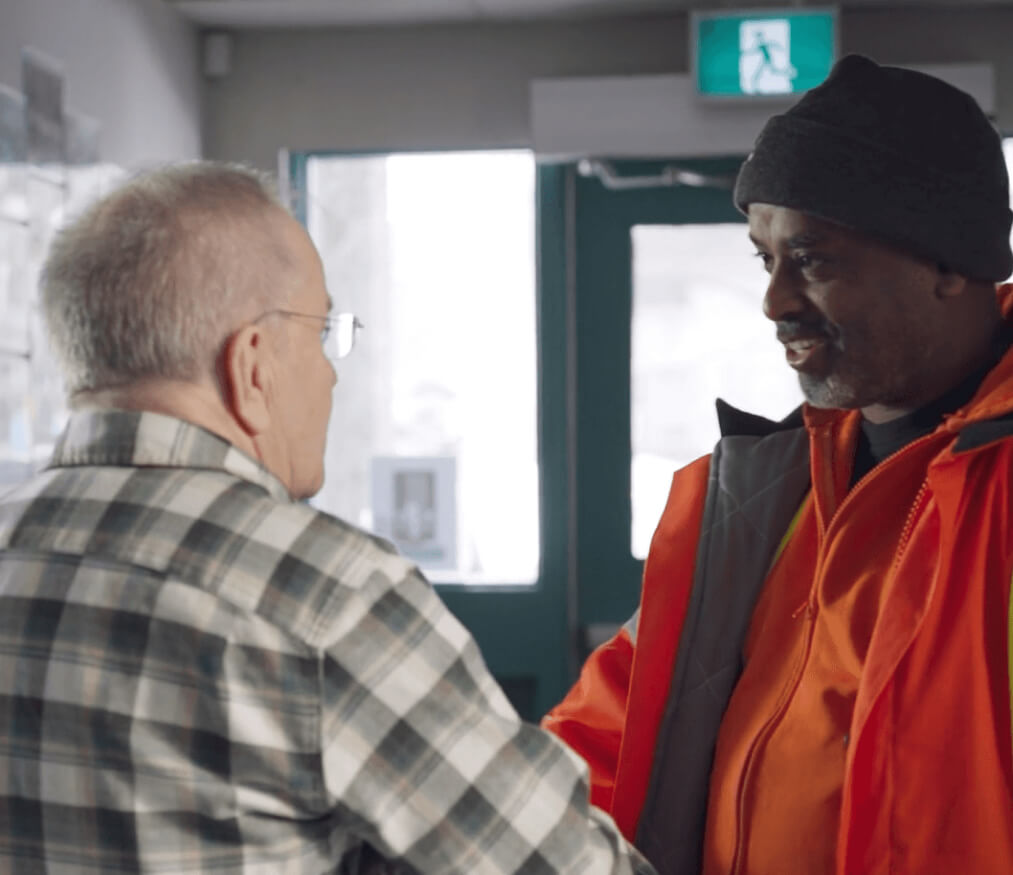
pixel 817 680
pixel 200 674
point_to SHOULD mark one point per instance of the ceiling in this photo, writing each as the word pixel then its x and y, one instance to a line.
pixel 359 13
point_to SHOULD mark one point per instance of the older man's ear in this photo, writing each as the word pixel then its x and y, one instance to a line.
pixel 246 368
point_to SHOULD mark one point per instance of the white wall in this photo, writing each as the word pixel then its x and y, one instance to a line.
pixel 468 85
pixel 132 64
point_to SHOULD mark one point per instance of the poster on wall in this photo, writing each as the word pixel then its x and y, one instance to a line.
pixel 415 506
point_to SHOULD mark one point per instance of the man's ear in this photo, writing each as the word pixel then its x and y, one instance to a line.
pixel 950 284
pixel 247 371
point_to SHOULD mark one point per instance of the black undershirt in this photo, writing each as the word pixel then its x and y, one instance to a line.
pixel 876 441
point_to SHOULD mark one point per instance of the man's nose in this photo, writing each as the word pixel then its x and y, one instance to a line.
pixel 783 298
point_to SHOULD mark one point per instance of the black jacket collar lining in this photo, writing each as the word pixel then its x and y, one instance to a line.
pixel 735 422
pixel 977 434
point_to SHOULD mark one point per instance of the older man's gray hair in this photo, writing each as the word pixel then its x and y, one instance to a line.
pixel 151 280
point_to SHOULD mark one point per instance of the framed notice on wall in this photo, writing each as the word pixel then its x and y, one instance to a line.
pixel 415 506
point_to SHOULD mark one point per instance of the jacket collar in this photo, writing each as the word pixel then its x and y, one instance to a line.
pixel 735 422
pixel 988 415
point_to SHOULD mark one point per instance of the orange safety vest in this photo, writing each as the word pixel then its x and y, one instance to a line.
pixel 928 776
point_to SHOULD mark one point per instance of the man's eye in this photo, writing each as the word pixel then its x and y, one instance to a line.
pixel 765 260
pixel 806 260
pixel 325 332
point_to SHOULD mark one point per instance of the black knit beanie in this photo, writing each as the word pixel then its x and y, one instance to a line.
pixel 896 154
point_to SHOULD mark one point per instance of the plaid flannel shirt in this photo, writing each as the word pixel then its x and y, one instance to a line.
pixel 200 675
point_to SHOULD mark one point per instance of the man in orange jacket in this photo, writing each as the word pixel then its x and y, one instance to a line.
pixel 817 679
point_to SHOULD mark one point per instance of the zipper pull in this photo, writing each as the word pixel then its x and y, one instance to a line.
pixel 805 606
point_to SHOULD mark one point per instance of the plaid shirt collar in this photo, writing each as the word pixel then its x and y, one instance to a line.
pixel 125 438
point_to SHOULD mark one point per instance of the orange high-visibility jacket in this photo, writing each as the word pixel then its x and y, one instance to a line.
pixel 928 783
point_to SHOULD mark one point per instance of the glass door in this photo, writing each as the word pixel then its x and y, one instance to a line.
pixel 668 317
pixel 697 334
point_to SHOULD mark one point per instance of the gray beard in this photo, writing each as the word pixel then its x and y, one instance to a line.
pixel 828 392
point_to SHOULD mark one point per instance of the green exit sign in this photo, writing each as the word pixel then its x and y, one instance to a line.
pixel 764 53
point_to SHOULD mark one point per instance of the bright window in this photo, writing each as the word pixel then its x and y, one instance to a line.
pixel 34 203
pixel 698 334
pixel 433 432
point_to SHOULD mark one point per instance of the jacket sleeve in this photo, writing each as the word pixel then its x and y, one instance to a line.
pixel 612 714
pixel 592 716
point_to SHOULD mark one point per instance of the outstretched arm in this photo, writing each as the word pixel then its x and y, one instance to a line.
pixel 592 716
pixel 424 753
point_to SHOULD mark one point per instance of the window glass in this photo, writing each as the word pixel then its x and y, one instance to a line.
pixel 34 203
pixel 433 432
pixel 698 333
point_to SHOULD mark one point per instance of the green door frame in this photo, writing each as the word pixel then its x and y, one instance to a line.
pixel 609 576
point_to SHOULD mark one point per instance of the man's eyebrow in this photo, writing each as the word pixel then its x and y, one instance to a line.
pixel 797 241
pixel 806 238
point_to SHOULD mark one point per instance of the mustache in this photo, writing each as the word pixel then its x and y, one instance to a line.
pixel 789 330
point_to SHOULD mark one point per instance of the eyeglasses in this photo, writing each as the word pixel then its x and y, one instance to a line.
pixel 338 334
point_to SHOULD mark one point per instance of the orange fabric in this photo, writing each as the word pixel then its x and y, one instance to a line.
pixel 614 734
pixel 927 781
pixel 778 772
pixel 663 604
pixel 937 685
pixel 592 716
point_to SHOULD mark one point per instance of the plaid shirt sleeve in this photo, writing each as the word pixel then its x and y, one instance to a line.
pixel 420 743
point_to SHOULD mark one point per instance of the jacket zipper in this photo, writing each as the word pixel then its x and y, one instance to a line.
pixel 909 524
pixel 861 484
pixel 738 860
pixel 766 730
